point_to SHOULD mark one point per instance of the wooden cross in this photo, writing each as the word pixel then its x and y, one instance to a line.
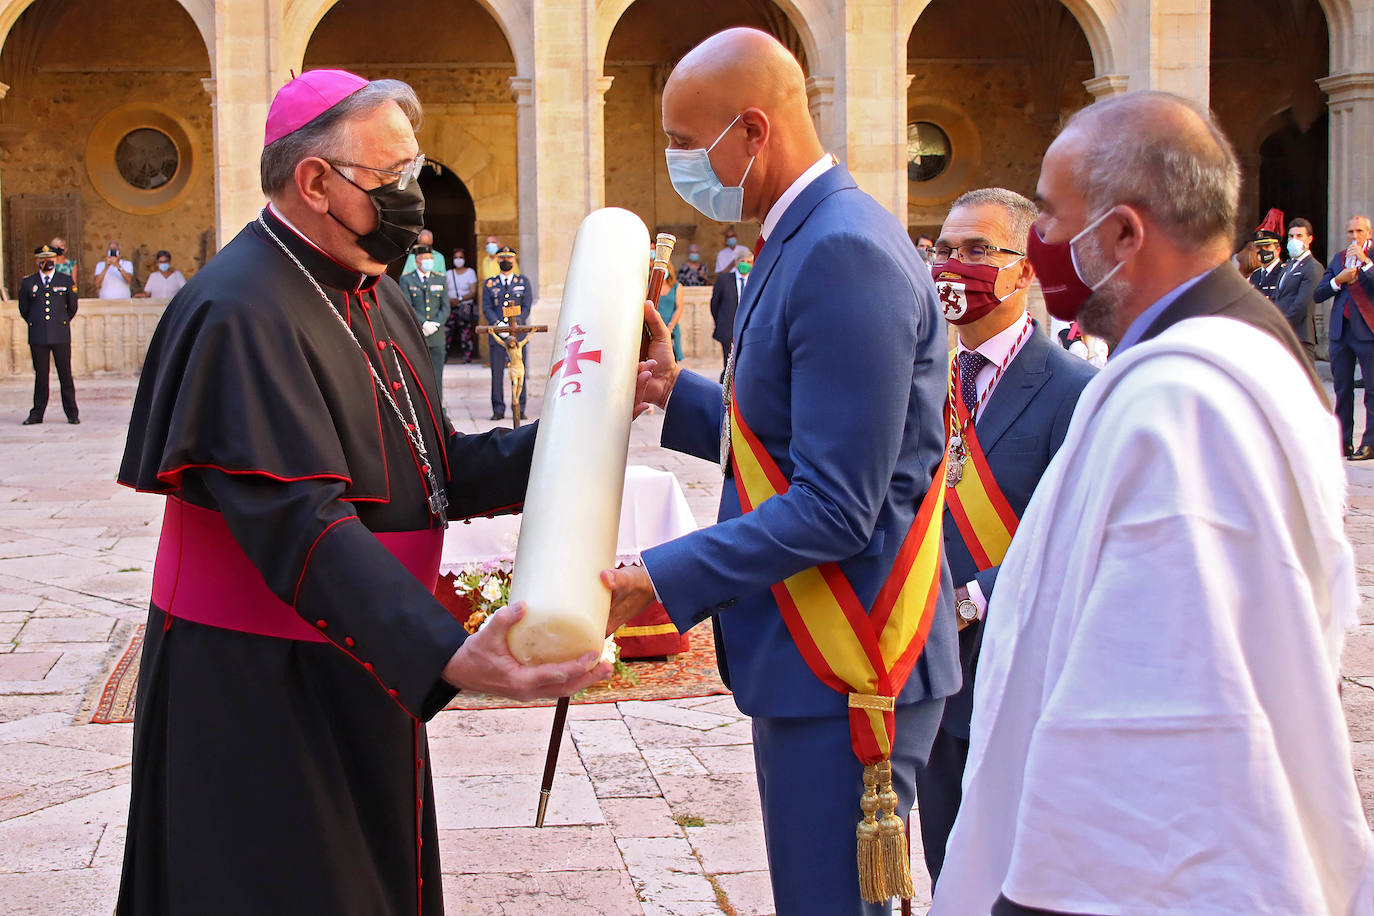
pixel 504 334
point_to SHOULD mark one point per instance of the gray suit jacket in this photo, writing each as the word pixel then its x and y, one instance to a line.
pixel 1294 295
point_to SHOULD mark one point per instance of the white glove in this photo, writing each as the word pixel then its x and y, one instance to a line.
pixel 429 327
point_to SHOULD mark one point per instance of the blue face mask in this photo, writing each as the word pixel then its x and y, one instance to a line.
pixel 492 248
pixel 696 182
pixel 694 257
pixel 164 266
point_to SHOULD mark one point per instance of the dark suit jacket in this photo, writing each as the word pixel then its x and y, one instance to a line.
pixel 48 310
pixel 1224 293
pixel 724 302
pixel 1021 427
pixel 853 420
pixel 1295 292
pixel 1267 281
pixel 1339 324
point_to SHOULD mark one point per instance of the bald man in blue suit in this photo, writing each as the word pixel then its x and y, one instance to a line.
pixel 839 368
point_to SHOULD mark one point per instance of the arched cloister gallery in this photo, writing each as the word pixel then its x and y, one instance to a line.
pixel 544 109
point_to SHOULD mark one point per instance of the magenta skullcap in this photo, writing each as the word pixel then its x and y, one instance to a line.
pixel 307 97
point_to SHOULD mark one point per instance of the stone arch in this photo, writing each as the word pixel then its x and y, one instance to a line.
pixel 301 17
pixel 1102 22
pixel 202 13
pixel 804 15
pixel 1340 20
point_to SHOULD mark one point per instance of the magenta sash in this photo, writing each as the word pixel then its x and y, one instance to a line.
pixel 202 574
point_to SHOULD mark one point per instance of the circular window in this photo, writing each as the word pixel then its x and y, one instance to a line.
pixel 142 159
pixel 146 158
pixel 927 151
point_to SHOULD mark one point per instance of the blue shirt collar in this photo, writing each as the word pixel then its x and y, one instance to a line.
pixel 1146 318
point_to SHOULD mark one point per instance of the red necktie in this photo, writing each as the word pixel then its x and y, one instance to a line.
pixel 758 246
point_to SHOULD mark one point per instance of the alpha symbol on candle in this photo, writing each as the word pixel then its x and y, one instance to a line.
pixel 572 358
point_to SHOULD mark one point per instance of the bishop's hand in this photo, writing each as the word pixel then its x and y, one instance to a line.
pixel 484 663
pixel 658 373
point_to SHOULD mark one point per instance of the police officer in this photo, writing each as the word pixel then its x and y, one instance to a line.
pixel 1268 240
pixel 47 303
pixel 424 287
pixel 506 288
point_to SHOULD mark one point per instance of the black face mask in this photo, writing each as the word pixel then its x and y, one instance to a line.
pixel 400 217
pixel 1266 256
pixel 505 265
pixel 47 266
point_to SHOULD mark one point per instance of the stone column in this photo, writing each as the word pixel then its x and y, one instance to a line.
pixel 1104 87
pixel 522 92
pixel 568 140
pixel 868 63
pixel 12 287
pixel 820 98
pixel 240 91
pixel 1350 98
pixel 1167 45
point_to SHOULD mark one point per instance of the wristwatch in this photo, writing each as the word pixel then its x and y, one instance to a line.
pixel 965 606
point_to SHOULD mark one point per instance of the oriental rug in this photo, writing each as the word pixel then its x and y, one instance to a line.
pixel 690 674
pixel 115 702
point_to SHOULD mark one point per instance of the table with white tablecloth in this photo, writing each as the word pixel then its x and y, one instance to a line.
pixel 653 511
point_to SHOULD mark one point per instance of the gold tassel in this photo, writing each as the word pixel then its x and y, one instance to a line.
pixel 871 883
pixel 896 858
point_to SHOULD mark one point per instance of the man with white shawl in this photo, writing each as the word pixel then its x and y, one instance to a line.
pixel 1157 726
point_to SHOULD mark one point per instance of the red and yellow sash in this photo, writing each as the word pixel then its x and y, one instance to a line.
pixel 867 655
pixel 982 514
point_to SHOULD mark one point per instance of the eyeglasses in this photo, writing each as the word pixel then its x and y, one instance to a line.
pixel 972 253
pixel 404 176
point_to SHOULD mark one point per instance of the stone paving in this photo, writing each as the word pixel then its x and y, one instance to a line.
pixel 655 808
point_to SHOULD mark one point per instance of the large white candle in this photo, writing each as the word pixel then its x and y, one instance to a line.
pixel 572 506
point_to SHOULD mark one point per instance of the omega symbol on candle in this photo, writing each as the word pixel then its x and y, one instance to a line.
pixel 571 363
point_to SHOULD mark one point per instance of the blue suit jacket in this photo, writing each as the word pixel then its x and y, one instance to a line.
pixel 841 373
pixel 1356 323
pixel 1020 429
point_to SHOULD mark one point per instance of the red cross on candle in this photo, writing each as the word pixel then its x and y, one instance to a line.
pixel 572 356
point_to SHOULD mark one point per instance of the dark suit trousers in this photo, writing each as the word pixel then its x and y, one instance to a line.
pixel 61 355
pixel 498 381
pixel 939 790
pixel 1345 353
pixel 809 784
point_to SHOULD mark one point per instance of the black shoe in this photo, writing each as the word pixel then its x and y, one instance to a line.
pixel 497 416
pixel 1349 451
pixel 32 421
pixel 74 421
pixel 1363 453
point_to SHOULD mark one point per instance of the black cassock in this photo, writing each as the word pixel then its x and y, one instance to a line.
pixel 278 775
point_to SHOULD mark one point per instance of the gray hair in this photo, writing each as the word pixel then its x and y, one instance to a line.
pixel 327 136
pixel 1364 219
pixel 1021 213
pixel 1137 153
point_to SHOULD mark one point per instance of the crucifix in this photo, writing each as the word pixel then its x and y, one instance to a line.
pixel 504 334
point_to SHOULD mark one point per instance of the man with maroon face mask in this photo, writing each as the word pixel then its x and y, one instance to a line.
pixel 1157 726
pixel 1013 392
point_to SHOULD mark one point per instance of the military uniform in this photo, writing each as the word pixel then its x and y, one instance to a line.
pixel 48 305
pixel 498 292
pixel 429 301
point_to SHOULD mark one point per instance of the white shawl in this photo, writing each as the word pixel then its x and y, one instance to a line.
pixel 1156 725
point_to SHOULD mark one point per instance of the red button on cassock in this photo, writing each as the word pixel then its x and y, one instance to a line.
pixel 392 691
pixel 367 666
pixel 395 386
pixel 381 345
pixel 348 641
pixel 321 624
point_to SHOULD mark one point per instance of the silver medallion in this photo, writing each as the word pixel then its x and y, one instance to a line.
pixel 954 469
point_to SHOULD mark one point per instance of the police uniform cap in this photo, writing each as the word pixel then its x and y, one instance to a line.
pixel 422 249
pixel 45 251
pixel 505 249
pixel 1266 235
